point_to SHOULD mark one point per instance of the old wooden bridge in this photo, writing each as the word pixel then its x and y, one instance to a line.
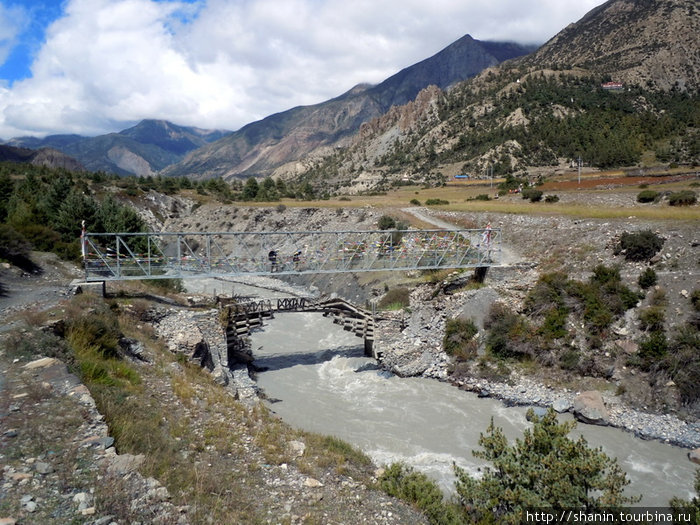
pixel 241 318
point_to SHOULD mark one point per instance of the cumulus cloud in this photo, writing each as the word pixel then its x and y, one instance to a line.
pixel 223 63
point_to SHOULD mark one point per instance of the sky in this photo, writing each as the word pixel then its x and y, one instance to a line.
pixel 97 66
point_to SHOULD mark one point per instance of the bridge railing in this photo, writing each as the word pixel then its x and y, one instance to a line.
pixel 166 255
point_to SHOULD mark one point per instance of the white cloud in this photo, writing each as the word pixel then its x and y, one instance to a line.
pixel 224 63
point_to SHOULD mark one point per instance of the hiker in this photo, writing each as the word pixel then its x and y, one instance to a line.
pixel 272 257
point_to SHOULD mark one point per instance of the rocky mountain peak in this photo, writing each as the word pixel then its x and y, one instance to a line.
pixel 651 43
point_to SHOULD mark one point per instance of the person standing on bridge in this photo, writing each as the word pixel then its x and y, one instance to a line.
pixel 272 257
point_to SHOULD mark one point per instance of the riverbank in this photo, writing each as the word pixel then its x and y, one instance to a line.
pixel 416 350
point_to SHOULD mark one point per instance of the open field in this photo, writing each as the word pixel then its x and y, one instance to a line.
pixel 601 195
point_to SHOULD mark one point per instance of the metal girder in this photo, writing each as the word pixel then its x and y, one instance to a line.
pixel 166 255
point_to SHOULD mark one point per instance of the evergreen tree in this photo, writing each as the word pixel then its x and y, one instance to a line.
pixel 544 469
pixel 251 188
pixel 6 189
pixel 76 208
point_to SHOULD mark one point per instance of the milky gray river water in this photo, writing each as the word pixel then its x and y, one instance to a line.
pixel 319 380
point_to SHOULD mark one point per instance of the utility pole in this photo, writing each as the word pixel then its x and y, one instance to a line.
pixel 579 170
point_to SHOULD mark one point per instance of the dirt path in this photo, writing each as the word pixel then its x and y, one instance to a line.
pixel 508 255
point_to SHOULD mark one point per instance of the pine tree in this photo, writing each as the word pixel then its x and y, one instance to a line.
pixel 544 469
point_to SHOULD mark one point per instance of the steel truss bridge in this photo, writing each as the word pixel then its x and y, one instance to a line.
pixel 165 255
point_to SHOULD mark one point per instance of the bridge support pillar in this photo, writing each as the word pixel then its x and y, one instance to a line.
pixel 369 347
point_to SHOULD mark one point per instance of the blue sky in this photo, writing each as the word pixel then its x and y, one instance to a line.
pixel 95 66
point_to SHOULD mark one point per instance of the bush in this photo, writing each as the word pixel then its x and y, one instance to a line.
pixel 647 278
pixel 639 246
pixel 395 299
pixel 533 194
pixel 647 196
pixel 482 197
pixel 508 333
pixel 401 481
pixel 459 338
pixel 551 199
pixel 652 348
pixel 683 198
pixel 569 359
pixel 386 222
pixel 695 299
pixel 436 202
pixel 15 249
pixel 652 319
pixel 682 362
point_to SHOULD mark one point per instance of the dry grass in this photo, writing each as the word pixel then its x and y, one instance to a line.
pixel 458 195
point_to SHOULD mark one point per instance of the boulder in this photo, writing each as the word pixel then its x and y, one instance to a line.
pixel 694 456
pixel 590 408
pixel 627 346
pixel 539 412
pixel 561 405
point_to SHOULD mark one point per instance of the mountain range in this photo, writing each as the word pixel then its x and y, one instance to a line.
pixel 472 105
pixel 143 149
pixel 617 87
pixel 260 147
pixel 281 140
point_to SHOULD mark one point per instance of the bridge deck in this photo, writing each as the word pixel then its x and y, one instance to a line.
pixel 165 255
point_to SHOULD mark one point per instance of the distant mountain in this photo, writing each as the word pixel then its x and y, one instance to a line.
pixel 49 157
pixel 277 142
pixel 142 150
pixel 619 85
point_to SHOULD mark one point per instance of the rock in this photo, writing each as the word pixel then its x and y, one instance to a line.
pixel 219 375
pixel 312 483
pixel 125 463
pixel 296 449
pixel 44 362
pixel 590 408
pixel 694 456
pixel 43 468
pixel 561 405
pixel 685 293
pixel 627 346
pixel 537 412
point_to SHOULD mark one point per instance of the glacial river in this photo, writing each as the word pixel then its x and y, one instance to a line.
pixel 319 380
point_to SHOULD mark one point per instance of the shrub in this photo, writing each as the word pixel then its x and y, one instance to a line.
pixel 401 481
pixel 551 199
pixel 386 222
pixel 652 319
pixel 482 197
pixel 533 194
pixel 436 202
pixel 15 249
pixel 569 359
pixel 415 202
pixel 683 198
pixel 682 362
pixel 647 278
pixel 395 299
pixel 508 333
pixel 647 196
pixel 695 299
pixel 639 246
pixel 652 348
pixel 459 338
